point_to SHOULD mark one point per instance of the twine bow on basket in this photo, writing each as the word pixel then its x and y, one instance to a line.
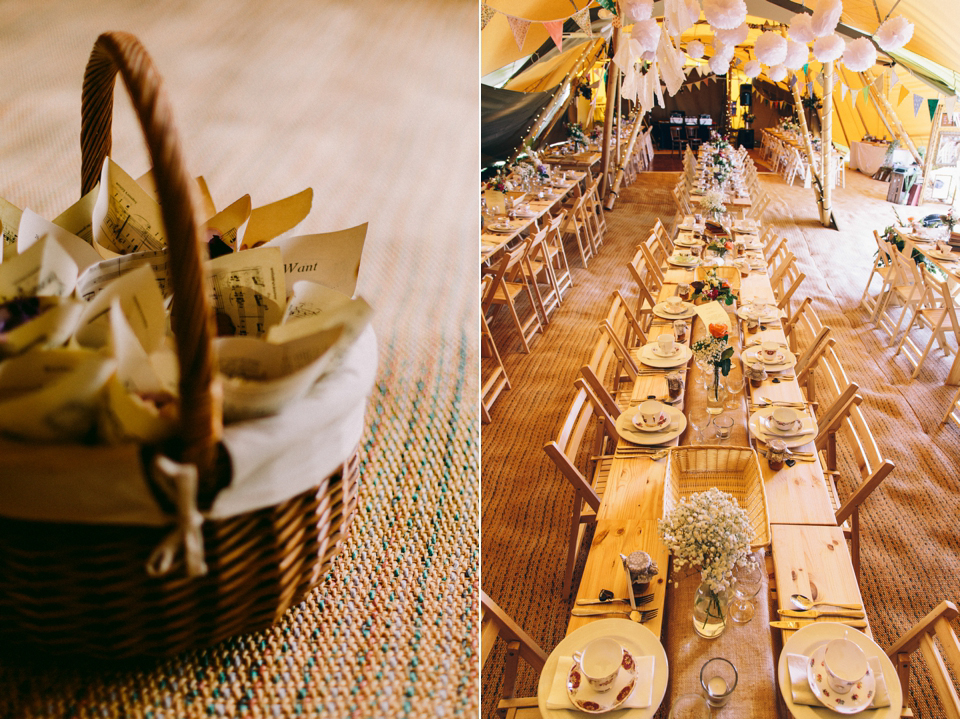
pixel 179 483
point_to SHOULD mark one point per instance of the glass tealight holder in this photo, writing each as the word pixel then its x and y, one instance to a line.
pixel 718 677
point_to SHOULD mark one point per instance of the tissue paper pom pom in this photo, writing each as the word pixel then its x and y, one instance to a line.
pixel 719 64
pixel 800 29
pixel 637 10
pixel 752 69
pixel 695 49
pixel 646 33
pixel 770 48
pixel 777 73
pixel 680 15
pixel 828 48
pixel 860 55
pixel 797 55
pixel 894 33
pixel 733 37
pixel 725 14
pixel 825 18
pixel 724 51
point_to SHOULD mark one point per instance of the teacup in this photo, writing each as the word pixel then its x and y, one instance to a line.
pixel 783 418
pixel 600 662
pixel 846 664
pixel 683 256
pixel 769 350
pixel 666 343
pixel 651 413
pixel 675 304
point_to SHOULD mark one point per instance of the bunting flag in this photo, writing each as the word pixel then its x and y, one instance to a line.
pixel 809 89
pixel 486 15
pixel 917 102
pixel 843 92
pixel 932 106
pixel 894 79
pixel 903 94
pixel 853 97
pixel 582 19
pixel 836 78
pixel 555 28
pixel 792 82
pixel 519 27
pixel 866 93
pixel 949 104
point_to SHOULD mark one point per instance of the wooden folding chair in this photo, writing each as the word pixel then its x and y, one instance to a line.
pixel 781 266
pixel 939 660
pixel 953 410
pixel 644 279
pixel 883 268
pixel 654 272
pixel 595 213
pixel 585 412
pixel 666 241
pixel 538 272
pixel 493 374
pixel 784 302
pixel 576 225
pixel 496 623
pixel 503 292
pixel 557 254
pixel 935 308
pixel 808 360
pixel 907 291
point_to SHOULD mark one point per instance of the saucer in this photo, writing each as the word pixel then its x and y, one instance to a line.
pixel 664 421
pixel 666 308
pixel 773 429
pixel 666 355
pixel 778 359
pixel 854 701
pixel 500 228
pixel 587 699
pixel 681 262
pixel 945 256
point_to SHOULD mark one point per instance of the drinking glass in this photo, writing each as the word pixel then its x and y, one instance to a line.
pixel 747 581
pixel 724 427
pixel 700 420
pixel 689 706
pixel 735 384
pixel 718 677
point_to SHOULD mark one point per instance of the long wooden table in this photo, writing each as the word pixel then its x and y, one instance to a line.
pixel 807 555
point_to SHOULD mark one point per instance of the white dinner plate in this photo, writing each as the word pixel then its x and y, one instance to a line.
pixel 638 640
pixel 751 356
pixel 766 313
pixel 650 356
pixel 625 428
pixel 660 310
pixel 677 262
pixel 499 228
pixel 759 428
pixel 806 640
pixel 938 255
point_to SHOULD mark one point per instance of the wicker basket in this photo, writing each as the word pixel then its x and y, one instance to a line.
pixel 81 588
pixel 734 470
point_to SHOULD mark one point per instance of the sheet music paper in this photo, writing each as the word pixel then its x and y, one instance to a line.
pixel 44 269
pixel 331 259
pixel 125 218
pixel 247 288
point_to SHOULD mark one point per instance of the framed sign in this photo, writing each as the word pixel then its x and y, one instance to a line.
pixel 948 148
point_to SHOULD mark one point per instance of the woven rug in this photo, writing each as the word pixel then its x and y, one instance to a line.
pixel 366 103
pixel 909 536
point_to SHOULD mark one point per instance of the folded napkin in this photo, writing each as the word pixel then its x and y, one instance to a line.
pixel 641 698
pixel 803 694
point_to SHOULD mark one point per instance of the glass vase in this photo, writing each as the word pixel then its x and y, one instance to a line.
pixel 716 394
pixel 710 614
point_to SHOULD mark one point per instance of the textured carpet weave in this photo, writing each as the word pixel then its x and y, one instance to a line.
pixel 909 535
pixel 374 105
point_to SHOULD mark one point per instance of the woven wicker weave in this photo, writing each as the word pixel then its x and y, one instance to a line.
pixel 734 470
pixel 83 589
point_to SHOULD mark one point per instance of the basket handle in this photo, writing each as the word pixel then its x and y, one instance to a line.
pixel 201 419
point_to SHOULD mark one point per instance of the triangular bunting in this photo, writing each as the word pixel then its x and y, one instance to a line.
pixel 932 105
pixel 894 79
pixel 555 28
pixel 805 66
pixel 853 97
pixel 950 104
pixel 809 89
pixel 486 15
pixel 836 78
pixel 582 19
pixel 917 102
pixel 843 92
pixel 519 27
pixel 793 81
pixel 903 94
pixel 866 93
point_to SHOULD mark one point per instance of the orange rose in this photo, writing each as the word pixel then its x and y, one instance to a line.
pixel 719 331
pixel 728 245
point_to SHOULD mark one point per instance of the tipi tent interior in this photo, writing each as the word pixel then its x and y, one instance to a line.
pixel 720 281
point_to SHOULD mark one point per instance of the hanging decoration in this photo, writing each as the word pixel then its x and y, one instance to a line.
pixel 719 64
pixel 486 15
pixel 894 33
pixel 903 94
pixel 825 18
pixel 770 48
pixel 582 19
pixel 800 29
pixel 645 35
pixel 777 73
pixel 828 48
pixel 932 106
pixel 733 37
pixel 680 15
pixel 724 14
pixel 637 10
pixel 797 54
pixel 859 55
pixel 695 50
pixel 519 26
pixel 555 28
pixel 752 69
pixel 917 102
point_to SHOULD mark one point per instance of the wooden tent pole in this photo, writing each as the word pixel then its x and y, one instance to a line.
pixel 807 141
pixel 900 133
pixel 612 72
pixel 931 151
pixel 615 192
pixel 826 147
pixel 591 58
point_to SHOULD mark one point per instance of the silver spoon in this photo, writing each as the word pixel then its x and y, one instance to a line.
pixel 802 602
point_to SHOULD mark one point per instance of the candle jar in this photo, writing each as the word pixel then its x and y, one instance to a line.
pixel 718 677
pixel 642 569
pixel 674 384
pixel 776 454
pixel 756 374
pixel 683 290
pixel 680 330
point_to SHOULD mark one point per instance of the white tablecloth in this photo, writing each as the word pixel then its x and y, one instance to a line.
pixel 868 158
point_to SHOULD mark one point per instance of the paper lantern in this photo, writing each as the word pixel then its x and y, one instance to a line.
pixel 725 14
pixel 637 10
pixel 695 50
pixel 752 69
pixel 894 33
pixel 770 48
pixel 680 15
pixel 860 55
pixel 825 18
pixel 828 48
pixel 733 37
pixel 777 73
pixel 797 55
pixel 719 64
pixel 800 29
pixel 646 34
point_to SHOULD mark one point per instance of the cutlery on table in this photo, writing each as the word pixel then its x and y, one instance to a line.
pixel 799 624
pixel 638 616
pixel 798 457
pixel 631 453
pixel 802 602
pixel 641 600
pixel 816 613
